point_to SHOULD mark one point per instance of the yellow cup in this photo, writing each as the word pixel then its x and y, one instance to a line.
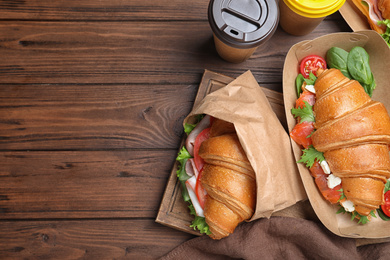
pixel 300 17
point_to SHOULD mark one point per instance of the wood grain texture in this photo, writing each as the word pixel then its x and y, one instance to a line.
pixel 93 239
pixel 52 117
pixel 83 184
pixel 92 99
pixel 93 117
pixel 104 10
pixel 125 52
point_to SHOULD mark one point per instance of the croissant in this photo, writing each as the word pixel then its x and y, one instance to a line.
pixel 229 181
pixel 353 132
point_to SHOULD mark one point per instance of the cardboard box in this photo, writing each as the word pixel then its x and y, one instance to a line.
pixel 379 52
pixel 354 18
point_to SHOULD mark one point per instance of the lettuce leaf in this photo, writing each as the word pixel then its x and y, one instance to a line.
pixel 189 127
pixel 182 158
pixel 310 155
pixel 386 35
pixel 199 223
pixel 305 113
pixel 354 215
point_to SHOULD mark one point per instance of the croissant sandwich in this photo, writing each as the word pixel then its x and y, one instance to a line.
pixel 352 133
pixel 221 181
pixel 376 11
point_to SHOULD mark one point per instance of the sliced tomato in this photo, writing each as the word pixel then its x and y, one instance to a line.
pixel 386 207
pixel 301 132
pixel 199 191
pixel 316 170
pixel 311 63
pixel 320 178
pixel 305 96
pixel 202 136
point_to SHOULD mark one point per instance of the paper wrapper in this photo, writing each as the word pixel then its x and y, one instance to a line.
pixel 379 53
pixel 354 17
pixel 265 141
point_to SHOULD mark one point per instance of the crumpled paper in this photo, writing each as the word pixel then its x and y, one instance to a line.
pixel 265 141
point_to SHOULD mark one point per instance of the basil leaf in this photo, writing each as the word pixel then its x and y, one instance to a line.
pixel 298 83
pixel 311 80
pixel 358 65
pixel 382 215
pixel 337 58
pixel 387 186
pixel 372 86
pixel 369 89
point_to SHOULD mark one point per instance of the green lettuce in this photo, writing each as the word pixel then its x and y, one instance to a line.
pixel 304 113
pixel 386 35
pixel 310 155
pixel 199 223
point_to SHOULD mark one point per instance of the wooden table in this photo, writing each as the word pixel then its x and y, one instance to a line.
pixel 93 95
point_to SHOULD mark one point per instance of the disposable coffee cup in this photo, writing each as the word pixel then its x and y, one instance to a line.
pixel 241 26
pixel 301 17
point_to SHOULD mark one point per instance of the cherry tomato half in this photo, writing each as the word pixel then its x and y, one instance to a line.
pixel 311 63
pixel 386 207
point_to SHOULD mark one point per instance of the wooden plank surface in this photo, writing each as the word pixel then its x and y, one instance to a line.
pixel 92 239
pixel 83 184
pixel 93 94
pixel 124 52
pixel 93 117
pixel 103 10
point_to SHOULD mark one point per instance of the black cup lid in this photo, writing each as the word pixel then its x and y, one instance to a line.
pixel 243 23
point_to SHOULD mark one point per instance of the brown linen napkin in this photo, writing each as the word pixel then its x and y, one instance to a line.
pixel 279 238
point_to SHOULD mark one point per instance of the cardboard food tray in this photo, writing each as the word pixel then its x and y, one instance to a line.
pixel 354 17
pixel 173 210
pixel 379 52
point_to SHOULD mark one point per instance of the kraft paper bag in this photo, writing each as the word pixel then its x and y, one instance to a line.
pixel 265 141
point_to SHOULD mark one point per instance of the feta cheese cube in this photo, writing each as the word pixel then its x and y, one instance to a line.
pixel 325 167
pixel 333 181
pixel 310 88
pixel 348 205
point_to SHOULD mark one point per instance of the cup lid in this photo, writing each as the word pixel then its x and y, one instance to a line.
pixel 243 23
pixel 314 8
